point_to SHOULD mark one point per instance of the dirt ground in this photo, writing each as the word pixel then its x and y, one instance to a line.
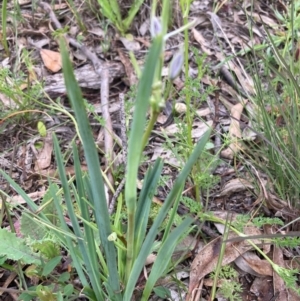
pixel 29 117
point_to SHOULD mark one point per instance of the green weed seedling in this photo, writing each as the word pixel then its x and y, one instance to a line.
pixel 111 10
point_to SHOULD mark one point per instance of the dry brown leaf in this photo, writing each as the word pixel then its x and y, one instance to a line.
pixel 206 260
pixel 7 102
pixel 145 42
pixel 199 128
pixel 262 288
pixel 43 159
pixel 97 31
pixel 284 293
pixel 144 27
pixel 51 59
pixel 128 68
pixel 130 44
pixel 166 155
pixel 17 200
pixel 244 79
pixel 203 112
pixel 60 6
pixel 234 132
pixel 279 285
pixel 250 263
pixel 246 82
pixel 6 281
pixel 258 17
pixel 53 173
pixel 204 44
pixel 235 185
pixel 24 2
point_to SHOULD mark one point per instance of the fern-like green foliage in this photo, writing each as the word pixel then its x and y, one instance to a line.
pixel 15 248
pixel 230 288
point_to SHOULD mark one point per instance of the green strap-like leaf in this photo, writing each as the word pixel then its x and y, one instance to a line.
pixel 94 170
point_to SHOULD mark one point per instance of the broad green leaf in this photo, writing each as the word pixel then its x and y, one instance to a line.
pixel 50 265
pixel 42 129
pixel 15 248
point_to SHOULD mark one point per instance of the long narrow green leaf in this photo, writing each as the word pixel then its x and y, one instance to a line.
pixel 68 240
pixel 132 12
pixel 97 185
pixel 4 23
pixel 139 120
pixel 88 231
pixel 164 257
pixel 135 143
pixel 146 247
pixel 83 247
pixel 144 203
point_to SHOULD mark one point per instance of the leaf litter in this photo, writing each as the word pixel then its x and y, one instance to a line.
pixel 220 35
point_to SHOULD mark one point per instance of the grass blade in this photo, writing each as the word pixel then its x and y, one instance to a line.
pixel 144 203
pixel 146 247
pixel 97 185
pixel 83 247
pixel 135 143
pixel 164 257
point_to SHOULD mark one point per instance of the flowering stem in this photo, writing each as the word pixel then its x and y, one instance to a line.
pixel 154 115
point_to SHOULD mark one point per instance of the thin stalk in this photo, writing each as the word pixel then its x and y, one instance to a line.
pixel 149 128
pixel 186 67
pixel 4 22
pixel 220 259
pixel 130 243
pixel 168 89
pixel 135 145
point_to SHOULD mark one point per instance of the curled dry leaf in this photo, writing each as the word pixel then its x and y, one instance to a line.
pixel 24 2
pixel 130 44
pixel 279 285
pixel 235 185
pixel 51 59
pixel 284 293
pixel 199 128
pixel 180 107
pixel 234 132
pixel 17 200
pixel 150 259
pixel 7 102
pixel 262 288
pixel 206 260
pixel 250 263
pixel 43 160
pixel 204 44
pixel 131 76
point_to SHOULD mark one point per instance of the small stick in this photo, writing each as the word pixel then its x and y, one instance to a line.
pixel 124 146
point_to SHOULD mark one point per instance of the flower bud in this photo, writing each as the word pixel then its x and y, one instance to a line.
pixel 155 27
pixel 176 65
